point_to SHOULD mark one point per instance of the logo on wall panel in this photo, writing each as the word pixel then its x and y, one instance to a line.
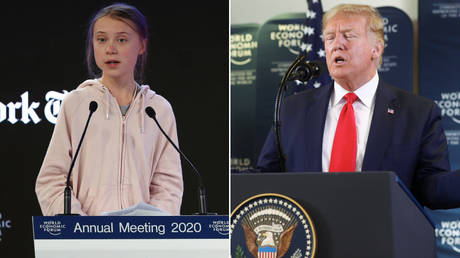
pixel 242 48
pixel 273 226
pixel 449 103
pixel 4 224
pixel 448 235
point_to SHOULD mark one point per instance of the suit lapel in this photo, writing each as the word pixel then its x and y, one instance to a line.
pixel 316 117
pixel 380 133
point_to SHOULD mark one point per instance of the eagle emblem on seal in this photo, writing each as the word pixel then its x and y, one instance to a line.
pixel 268 231
pixel 271 226
pixel 268 243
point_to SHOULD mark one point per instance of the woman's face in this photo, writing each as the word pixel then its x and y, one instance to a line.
pixel 116 47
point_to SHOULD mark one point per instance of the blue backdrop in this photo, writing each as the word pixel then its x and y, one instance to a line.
pixel 439 52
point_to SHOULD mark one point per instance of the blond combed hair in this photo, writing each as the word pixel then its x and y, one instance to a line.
pixel 372 15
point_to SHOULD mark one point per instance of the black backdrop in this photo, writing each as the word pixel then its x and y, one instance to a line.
pixel 42 49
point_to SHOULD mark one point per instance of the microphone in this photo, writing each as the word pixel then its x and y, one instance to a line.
pixel 300 70
pixel 202 192
pixel 307 71
pixel 67 191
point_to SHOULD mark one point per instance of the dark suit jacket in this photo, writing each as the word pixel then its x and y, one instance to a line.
pixel 411 142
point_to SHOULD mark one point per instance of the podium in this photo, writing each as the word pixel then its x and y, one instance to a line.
pixel 365 214
pixel 131 236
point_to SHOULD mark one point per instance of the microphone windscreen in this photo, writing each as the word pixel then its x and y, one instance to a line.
pixel 92 106
pixel 150 112
pixel 320 67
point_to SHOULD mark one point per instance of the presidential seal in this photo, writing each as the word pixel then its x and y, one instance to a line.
pixel 271 226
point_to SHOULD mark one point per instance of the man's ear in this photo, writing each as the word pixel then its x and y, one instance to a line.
pixel 377 49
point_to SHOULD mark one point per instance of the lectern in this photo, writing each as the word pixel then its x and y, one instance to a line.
pixel 364 214
pixel 131 236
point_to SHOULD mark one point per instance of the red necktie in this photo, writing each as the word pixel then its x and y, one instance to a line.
pixel 343 155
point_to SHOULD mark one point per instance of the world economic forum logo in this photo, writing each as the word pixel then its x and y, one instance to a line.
pixel 290 36
pixel 220 226
pixel 242 48
pixel 448 235
pixel 271 225
pixel 4 224
pixel 450 105
pixel 53 227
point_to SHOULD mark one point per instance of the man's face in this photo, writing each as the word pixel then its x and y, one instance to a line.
pixel 351 51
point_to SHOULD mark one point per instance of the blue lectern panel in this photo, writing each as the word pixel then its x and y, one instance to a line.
pixel 130 227
pixel 131 236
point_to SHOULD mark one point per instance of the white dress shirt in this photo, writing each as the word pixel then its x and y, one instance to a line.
pixel 363 107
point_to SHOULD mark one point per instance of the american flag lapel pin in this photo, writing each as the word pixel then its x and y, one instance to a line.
pixel 391 111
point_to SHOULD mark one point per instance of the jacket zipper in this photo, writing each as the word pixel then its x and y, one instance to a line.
pixel 123 142
pixel 122 156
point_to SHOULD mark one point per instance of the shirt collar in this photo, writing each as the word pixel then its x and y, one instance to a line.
pixel 365 93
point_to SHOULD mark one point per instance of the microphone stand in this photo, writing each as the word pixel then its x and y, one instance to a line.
pixel 201 190
pixel 277 123
pixel 67 190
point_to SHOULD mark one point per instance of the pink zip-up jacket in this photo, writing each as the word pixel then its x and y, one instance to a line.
pixel 122 161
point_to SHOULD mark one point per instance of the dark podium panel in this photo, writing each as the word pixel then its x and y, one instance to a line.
pixel 368 214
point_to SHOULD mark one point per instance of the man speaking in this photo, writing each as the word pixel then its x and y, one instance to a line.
pixel 359 123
